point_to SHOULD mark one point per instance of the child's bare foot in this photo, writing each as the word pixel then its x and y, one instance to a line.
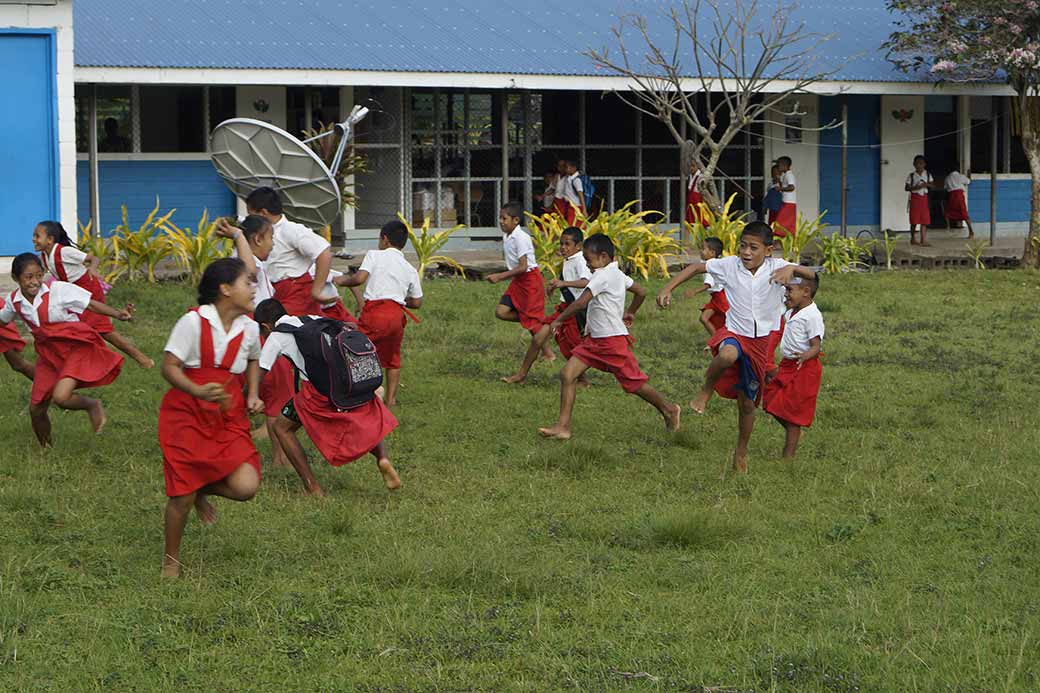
pixel 390 478
pixel 313 489
pixel 260 433
pixel 557 432
pixel 513 379
pixel 390 402
pixel 671 419
pixel 583 383
pixel 699 403
pixel 205 510
pixel 548 356
pixel 171 567
pixel 740 463
pixel 144 362
pixel 98 419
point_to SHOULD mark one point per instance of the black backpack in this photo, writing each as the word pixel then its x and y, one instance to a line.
pixel 340 360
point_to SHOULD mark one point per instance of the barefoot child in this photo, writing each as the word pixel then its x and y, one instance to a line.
pixel 70 354
pixel 11 346
pixel 713 313
pixel 607 344
pixel 574 277
pixel 341 436
pixel 524 300
pixel 210 357
pixel 67 263
pixel 790 395
pixel 918 183
pixel 391 288
pixel 744 348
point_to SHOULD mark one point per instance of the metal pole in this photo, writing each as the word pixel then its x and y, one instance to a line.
pixel 92 149
pixel 844 165
pixel 308 109
pixel 994 115
pixel 504 123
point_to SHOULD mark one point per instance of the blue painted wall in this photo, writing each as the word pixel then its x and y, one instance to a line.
pixel 864 163
pixel 1012 199
pixel 188 186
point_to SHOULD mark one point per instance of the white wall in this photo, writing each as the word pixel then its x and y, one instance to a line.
pixel 804 155
pixel 900 141
pixel 58 17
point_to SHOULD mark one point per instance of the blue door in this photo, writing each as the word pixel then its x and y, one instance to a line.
pixel 28 136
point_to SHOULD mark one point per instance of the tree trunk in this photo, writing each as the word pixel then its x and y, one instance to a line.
pixel 1029 109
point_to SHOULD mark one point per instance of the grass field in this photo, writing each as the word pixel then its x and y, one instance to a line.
pixel 898 553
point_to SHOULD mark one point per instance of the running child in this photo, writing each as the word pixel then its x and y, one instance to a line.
pixel 391 287
pixel 574 277
pixel 918 183
pixel 607 343
pixel 11 346
pixel 209 359
pixel 70 354
pixel 67 263
pixel 790 394
pixel 713 313
pixel 743 349
pixel 787 216
pixel 956 199
pixel 524 300
pixel 341 436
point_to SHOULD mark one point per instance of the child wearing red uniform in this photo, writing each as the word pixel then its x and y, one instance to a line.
pixel 791 390
pixel 694 199
pixel 391 287
pixel 956 185
pixel 67 263
pixel 574 277
pixel 340 436
pixel 573 192
pixel 210 358
pixel 744 348
pixel 918 183
pixel 11 346
pixel 524 300
pixel 787 216
pixel 713 313
pixel 607 343
pixel 70 354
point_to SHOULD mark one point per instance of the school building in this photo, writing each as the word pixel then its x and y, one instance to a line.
pixel 110 102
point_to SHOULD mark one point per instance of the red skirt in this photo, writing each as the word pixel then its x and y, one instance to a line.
pixel 566 210
pixel 791 395
pixel 71 350
pixel 203 442
pixel 383 322
pixel 919 212
pixel 527 293
pixel 749 372
pixel 786 219
pixel 10 340
pixel 957 206
pixel 568 336
pixel 720 304
pixel 101 323
pixel 278 386
pixel 295 295
pixel 693 210
pixel 613 355
pixel 342 436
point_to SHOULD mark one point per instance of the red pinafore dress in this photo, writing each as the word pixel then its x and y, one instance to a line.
pixel 101 323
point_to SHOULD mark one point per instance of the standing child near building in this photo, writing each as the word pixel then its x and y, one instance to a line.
pixel 787 216
pixel 713 313
pixel 574 194
pixel 11 346
pixel 70 354
pixel 790 394
pixel 391 288
pixel 918 183
pixel 744 347
pixel 574 277
pixel 524 300
pixel 607 344
pixel 67 263
pixel 773 199
pixel 694 198
pixel 341 435
pixel 210 359
pixel 956 199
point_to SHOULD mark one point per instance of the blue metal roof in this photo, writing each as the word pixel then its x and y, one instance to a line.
pixel 484 36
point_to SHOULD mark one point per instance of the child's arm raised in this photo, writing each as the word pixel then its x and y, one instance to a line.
pixel 521 268
pixel 664 296
pixel 226 229
pixel 173 372
pixel 789 272
pixel 126 315
pixel 579 304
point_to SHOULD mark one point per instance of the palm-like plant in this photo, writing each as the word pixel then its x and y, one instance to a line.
pixel 194 250
pixel 641 246
pixel 141 249
pixel 805 232
pixel 726 225
pixel 427 244
pixel 351 164
pixel 546 231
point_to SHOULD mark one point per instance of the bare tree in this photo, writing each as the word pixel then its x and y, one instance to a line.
pixel 745 62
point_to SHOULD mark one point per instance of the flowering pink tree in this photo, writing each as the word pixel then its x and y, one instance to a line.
pixel 968 40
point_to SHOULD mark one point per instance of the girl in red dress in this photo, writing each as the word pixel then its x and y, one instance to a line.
pixel 70 354
pixel 918 183
pixel 694 213
pixel 67 263
pixel 210 358
pixel 11 346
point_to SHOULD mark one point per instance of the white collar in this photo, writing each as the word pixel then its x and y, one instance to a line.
pixel 19 297
pixel 574 258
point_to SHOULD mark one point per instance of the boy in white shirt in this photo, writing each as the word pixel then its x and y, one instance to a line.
pixel 391 288
pixel 607 343
pixel 787 216
pixel 574 194
pixel 791 390
pixel 956 199
pixel 743 349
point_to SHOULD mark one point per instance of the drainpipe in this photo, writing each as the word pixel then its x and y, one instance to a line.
pixel 994 115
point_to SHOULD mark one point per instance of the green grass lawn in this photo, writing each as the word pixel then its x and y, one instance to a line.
pixel 898 553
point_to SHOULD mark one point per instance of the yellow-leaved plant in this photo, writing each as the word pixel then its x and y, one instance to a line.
pixel 641 246
pixel 806 231
pixel 104 249
pixel 726 225
pixel 546 231
pixel 194 249
pixel 426 245
pixel 143 248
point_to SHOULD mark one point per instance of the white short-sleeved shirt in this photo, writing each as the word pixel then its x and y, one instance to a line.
pixel 65 304
pixel 606 310
pixel 72 260
pixel 755 301
pixel 785 180
pixel 517 245
pixel 574 269
pixel 714 286
pixel 916 179
pixel 283 344
pixel 185 339
pixel 695 180
pixel 561 185
pixel 957 181
pixel 390 276
pixel 573 186
pixel 799 328
pixel 294 251
pixel 264 290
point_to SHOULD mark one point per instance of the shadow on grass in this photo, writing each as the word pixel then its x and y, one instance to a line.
pixel 691 530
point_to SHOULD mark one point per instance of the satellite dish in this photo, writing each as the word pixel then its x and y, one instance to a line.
pixel 249 154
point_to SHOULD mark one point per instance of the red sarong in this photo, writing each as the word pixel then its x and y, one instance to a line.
pixel 278 386
pixel 957 206
pixel 338 311
pixel 919 212
pixel 383 321
pixel 295 295
pixel 342 436
pixel 527 293
pixel 613 355
pixel 569 335
pixel 566 210
pixel 791 395
pixel 693 210
pixel 89 282
pixel 720 305
pixel 786 220
pixel 748 374
pixel 10 340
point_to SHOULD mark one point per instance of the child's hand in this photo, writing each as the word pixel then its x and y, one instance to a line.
pixel 802 358
pixel 770 374
pixel 211 392
pixel 628 319
pixel 664 298
pixel 226 229
pixel 783 275
pixel 127 314
pixel 555 325
pixel 255 405
pixel 553 285
pixel 493 278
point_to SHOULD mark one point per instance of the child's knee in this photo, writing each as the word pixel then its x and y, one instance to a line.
pixel 746 406
pixel 728 354
pixel 181 503
pixel 503 312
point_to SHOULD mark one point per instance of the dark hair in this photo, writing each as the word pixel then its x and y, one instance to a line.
pixel 761 229
pixel 514 209
pixel 254 225
pixel 715 244
pixel 921 157
pixel 571 162
pixel 784 160
pixel 395 232
pixel 573 233
pixel 600 244
pixel 226 270
pixel 264 199
pixel 814 284
pixel 268 311
pixel 57 232
pixel 22 262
